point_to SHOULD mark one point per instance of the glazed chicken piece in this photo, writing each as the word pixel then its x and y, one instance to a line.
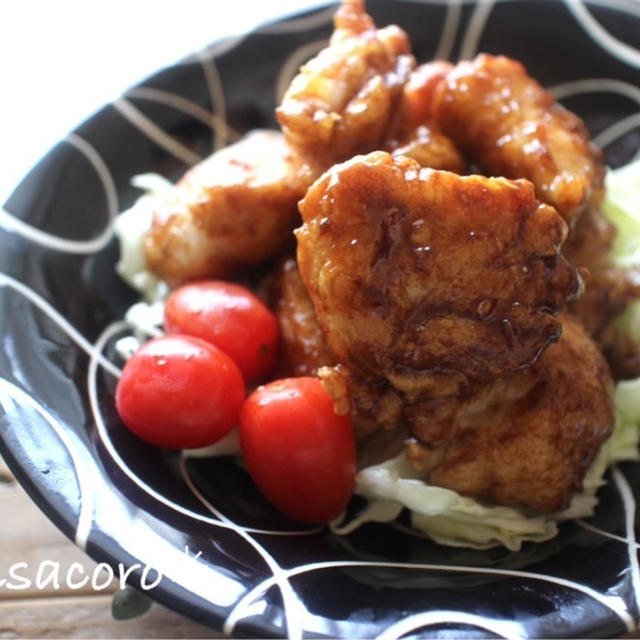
pixel 428 147
pixel 419 92
pixel 526 440
pixel 366 398
pixel 414 132
pixel 303 349
pixel 235 209
pixel 607 295
pixel 427 280
pixel 343 101
pixel 608 292
pixel 510 126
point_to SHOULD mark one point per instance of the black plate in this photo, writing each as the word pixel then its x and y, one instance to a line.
pixel 124 502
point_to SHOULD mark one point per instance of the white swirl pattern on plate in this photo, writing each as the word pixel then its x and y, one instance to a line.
pixel 11 223
pixel 604 85
pixel 295 612
pixel 216 92
pixel 474 31
pixel 615 603
pixel 501 628
pixel 605 534
pixel 211 120
pixel 630 512
pixel 449 30
pixel 155 133
pixel 602 37
pixel 10 392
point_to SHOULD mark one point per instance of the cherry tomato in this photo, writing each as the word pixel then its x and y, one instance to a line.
pixel 230 317
pixel 180 392
pixel 299 452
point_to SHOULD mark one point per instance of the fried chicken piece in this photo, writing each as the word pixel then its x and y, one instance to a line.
pixel 235 209
pixel 526 440
pixel 510 126
pixel 369 398
pixel 591 240
pixel 304 352
pixel 303 349
pixel 414 133
pixel 342 102
pixel 608 291
pixel 428 147
pixel 419 92
pixel 622 351
pixel 430 280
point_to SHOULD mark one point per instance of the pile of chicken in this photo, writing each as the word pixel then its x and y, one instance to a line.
pixel 472 317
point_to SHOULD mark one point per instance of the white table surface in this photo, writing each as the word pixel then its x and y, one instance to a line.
pixel 62 60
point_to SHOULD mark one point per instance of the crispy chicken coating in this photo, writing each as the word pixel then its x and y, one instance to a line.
pixel 419 92
pixel 303 349
pixel 428 147
pixel 526 440
pixel 343 101
pixel 367 398
pixel 430 280
pixel 414 132
pixel 608 291
pixel 235 209
pixel 510 126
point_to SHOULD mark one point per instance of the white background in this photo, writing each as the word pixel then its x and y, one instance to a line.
pixel 61 60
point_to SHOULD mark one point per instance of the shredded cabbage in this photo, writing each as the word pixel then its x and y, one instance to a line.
pixel 131 227
pixel 623 444
pixel 622 207
pixel 449 518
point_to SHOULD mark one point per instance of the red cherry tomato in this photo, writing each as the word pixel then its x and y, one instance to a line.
pixel 299 452
pixel 230 317
pixel 180 392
